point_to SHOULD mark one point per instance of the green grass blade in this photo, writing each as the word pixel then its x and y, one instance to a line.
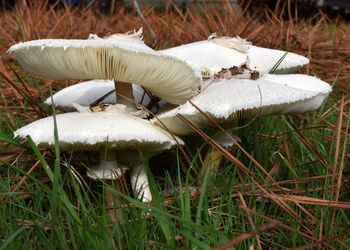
pixel 157 201
pixel 41 158
pixel 5 138
pixel 202 198
pixel 11 238
pixel 195 241
pixel 55 200
pixel 63 195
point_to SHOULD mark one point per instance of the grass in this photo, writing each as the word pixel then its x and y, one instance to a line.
pixel 303 201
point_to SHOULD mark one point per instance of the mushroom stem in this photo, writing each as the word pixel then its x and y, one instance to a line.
pixel 214 157
pixel 108 168
pixel 124 94
pixel 139 183
pixel 131 159
pixel 211 162
pixel 137 173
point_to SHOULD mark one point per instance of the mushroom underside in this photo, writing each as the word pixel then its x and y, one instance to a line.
pixel 169 78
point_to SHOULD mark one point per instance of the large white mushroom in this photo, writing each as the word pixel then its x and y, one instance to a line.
pixel 227 100
pixel 210 56
pixel 115 133
pixel 124 58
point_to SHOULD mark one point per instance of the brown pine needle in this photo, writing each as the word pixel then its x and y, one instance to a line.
pixel 247 236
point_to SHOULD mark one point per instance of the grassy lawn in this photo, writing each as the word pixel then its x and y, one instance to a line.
pixel 300 201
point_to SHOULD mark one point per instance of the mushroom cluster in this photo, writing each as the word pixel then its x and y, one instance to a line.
pixel 221 78
pixel 117 129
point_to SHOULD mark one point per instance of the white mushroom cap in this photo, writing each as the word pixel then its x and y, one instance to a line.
pixel 94 131
pixel 228 100
pixel 122 58
pixel 85 93
pixel 210 56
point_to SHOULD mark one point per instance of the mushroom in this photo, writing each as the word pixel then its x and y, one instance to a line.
pixel 114 132
pixel 227 100
pixel 123 58
pixel 210 56
pixel 86 93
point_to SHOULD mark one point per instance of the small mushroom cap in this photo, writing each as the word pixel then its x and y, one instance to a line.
pixel 210 56
pixel 122 58
pixel 85 93
pixel 94 131
pixel 229 100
